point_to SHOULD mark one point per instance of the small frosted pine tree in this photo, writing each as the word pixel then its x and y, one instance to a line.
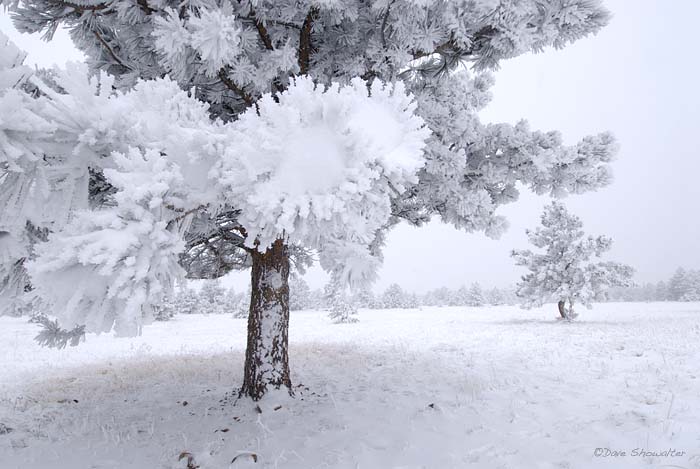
pixel 475 296
pixel 340 305
pixel 661 291
pixel 692 290
pixel 495 297
pixel 394 297
pixel 299 293
pixel 241 307
pixel 212 298
pixel 412 301
pixel 186 301
pixel 166 310
pixel 364 298
pixel 564 272
pixel 317 299
pixel 684 285
pixel 678 284
pixel 443 297
pixel 458 297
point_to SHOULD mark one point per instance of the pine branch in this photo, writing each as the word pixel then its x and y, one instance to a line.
pixel 249 101
pixel 110 51
pixel 305 41
pixel 53 336
pixel 449 50
pixel 145 7
pixel 83 8
pixel 267 42
pixel 285 24
pixel 384 22
pixel 262 31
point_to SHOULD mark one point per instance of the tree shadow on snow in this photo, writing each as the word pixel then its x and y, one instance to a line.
pixel 149 410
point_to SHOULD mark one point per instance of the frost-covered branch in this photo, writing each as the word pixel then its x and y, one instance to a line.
pixel 109 50
pixel 53 336
pixel 230 84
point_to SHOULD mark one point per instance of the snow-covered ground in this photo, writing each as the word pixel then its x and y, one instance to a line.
pixel 434 388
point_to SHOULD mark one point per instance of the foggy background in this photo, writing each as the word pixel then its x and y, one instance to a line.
pixel 638 78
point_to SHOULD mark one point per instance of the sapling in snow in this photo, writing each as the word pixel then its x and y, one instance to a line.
pixel 566 272
pixel 341 308
pixel 474 295
pixel 299 293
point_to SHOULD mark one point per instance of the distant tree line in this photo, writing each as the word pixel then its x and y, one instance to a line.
pixel 684 285
pixel 302 297
pixel 213 298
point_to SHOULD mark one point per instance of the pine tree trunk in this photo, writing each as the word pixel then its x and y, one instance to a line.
pixel 562 309
pixel 266 358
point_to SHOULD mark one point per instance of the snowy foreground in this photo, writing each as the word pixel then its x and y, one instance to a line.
pixel 437 388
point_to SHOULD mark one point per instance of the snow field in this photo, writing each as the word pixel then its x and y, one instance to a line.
pixel 495 387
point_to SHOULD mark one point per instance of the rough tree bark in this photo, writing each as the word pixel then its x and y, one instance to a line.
pixel 267 360
pixel 562 309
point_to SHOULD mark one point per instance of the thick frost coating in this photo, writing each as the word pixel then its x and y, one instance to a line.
pixel 321 166
pixel 107 267
pixel 565 272
pixel 104 265
pixel 214 35
pixel 474 168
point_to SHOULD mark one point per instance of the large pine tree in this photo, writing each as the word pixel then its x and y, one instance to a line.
pixel 255 63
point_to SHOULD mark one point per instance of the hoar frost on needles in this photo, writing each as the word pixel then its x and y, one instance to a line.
pixel 108 268
pixel 214 35
pixel 320 166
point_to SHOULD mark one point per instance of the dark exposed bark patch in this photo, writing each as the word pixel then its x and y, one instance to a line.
pixel 562 310
pixel 305 47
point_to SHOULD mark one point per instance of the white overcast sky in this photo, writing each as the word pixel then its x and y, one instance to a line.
pixel 638 78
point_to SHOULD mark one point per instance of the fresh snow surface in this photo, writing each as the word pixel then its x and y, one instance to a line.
pixel 492 387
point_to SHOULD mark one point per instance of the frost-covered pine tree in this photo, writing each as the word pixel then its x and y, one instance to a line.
pixel 458 297
pixel 692 290
pixel 475 296
pixel 317 299
pixel 684 285
pixel 399 122
pixel 186 301
pixel 364 298
pixel 299 293
pixel 340 307
pixel 212 298
pixel 443 297
pixel 467 296
pixel 241 306
pixel 394 297
pixel 566 271
pixel 495 297
pixel 661 291
pixel 412 301
pixel 678 284
pixel 166 309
